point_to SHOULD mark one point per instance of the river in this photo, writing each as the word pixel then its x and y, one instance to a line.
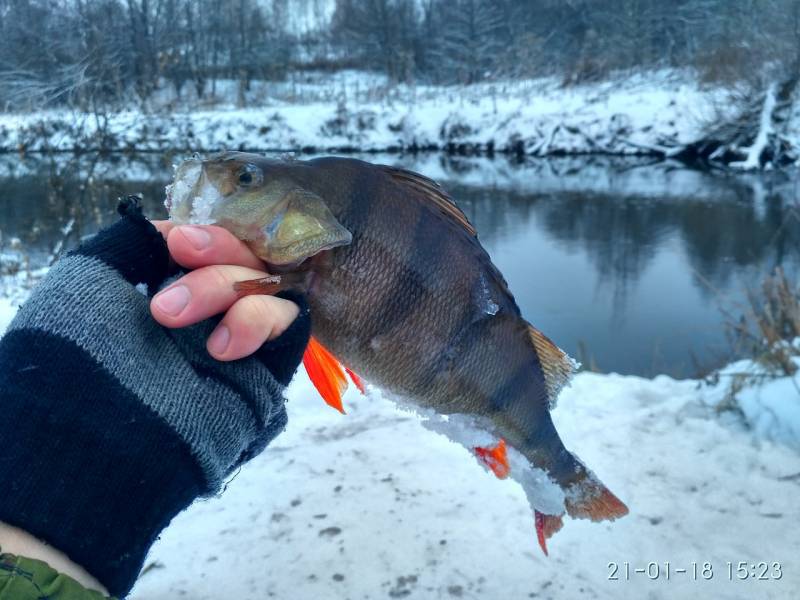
pixel 630 266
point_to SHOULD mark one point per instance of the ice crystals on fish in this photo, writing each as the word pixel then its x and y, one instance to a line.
pixel 483 297
pixel 471 432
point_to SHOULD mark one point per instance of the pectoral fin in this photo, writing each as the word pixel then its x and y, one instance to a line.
pixel 266 285
pixel 271 284
pixel 304 228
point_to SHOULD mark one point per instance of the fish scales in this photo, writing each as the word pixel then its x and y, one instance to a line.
pixel 446 351
pixel 403 294
pixel 406 294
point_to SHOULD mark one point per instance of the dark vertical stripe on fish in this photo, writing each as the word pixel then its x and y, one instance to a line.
pixel 512 389
pixel 354 211
pixel 394 311
pixel 465 334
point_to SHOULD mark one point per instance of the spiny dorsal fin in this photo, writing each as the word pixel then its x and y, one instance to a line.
pixel 432 191
pixel 557 366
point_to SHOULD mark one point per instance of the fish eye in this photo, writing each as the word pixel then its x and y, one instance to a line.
pixel 249 175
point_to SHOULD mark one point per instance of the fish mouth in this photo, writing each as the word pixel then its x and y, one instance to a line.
pixel 181 194
pixel 298 251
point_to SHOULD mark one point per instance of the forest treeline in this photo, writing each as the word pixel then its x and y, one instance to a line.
pixel 117 52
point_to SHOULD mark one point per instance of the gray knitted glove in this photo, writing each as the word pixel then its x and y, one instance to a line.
pixel 116 423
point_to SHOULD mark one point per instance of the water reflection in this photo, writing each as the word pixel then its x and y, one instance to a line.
pixel 627 258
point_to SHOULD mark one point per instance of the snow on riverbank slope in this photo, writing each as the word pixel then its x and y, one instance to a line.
pixel 770 405
pixel 537 117
pixel 372 505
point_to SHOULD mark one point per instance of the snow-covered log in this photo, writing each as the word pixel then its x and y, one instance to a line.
pixel 765 130
pixel 753 138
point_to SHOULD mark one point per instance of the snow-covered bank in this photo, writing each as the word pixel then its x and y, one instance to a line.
pixel 537 117
pixel 769 404
pixel 371 505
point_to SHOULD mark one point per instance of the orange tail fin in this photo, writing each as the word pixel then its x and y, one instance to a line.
pixel 326 374
pixel 546 526
pixel 496 458
pixel 590 499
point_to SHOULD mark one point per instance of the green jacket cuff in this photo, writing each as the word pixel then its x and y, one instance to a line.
pixel 23 578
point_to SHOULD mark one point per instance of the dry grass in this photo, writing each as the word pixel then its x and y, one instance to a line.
pixel 765 329
pixel 770 324
pixel 12 259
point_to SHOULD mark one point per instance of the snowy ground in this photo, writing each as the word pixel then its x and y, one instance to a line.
pixel 360 111
pixel 372 505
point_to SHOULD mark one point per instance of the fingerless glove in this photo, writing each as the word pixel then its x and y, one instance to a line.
pixel 111 424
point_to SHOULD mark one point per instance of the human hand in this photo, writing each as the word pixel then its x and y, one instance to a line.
pixel 218 260
pixel 117 422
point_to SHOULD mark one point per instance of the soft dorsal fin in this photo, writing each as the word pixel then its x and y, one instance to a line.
pixel 557 366
pixel 433 192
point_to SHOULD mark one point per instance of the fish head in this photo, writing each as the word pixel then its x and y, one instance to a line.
pixel 259 201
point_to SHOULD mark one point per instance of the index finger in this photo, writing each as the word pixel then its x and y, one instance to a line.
pixel 196 246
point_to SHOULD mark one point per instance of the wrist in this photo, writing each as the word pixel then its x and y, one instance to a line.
pixel 102 474
pixel 16 541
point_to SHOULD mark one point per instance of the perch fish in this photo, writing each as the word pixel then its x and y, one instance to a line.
pixel 403 296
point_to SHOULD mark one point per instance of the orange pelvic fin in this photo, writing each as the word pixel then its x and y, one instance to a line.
pixel 326 373
pixel 496 458
pixel 359 383
pixel 266 285
pixel 546 526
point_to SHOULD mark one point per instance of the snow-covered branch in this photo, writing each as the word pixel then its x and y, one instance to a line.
pixel 765 130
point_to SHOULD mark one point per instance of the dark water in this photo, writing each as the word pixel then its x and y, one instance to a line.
pixel 623 264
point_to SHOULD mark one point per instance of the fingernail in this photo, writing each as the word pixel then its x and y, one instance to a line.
pixel 218 341
pixel 198 238
pixel 173 300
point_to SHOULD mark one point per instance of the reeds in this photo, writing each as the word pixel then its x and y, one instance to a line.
pixel 769 328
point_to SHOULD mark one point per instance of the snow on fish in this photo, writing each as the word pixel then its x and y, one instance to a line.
pixel 403 295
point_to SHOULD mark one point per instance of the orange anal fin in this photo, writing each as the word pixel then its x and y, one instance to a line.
pixel 266 286
pixel 325 373
pixel 546 526
pixel 359 383
pixel 496 458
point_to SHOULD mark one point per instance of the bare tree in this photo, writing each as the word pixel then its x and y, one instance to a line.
pixel 114 52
